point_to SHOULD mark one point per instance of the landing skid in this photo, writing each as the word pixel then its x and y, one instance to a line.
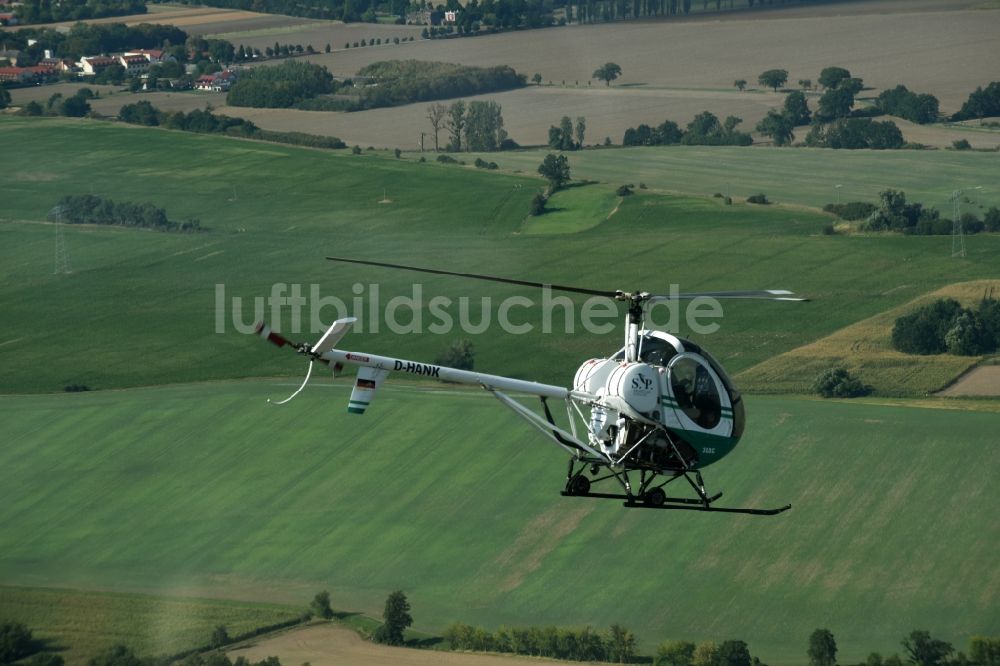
pixel 650 495
pixel 680 504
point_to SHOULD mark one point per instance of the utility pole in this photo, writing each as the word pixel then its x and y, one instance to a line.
pixel 957 232
pixel 62 256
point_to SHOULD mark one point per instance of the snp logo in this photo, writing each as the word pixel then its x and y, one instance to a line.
pixel 642 384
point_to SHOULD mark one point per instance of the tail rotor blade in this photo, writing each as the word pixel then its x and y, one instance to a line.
pixel 264 331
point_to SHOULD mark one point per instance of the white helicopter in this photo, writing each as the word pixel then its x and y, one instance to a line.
pixel 661 408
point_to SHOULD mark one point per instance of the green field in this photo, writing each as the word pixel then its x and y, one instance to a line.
pixel 78 624
pixel 141 295
pixel 799 176
pixel 201 490
pixel 208 488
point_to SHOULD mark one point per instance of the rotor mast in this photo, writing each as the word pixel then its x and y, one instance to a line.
pixel 633 322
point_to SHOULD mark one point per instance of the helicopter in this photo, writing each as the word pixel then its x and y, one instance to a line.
pixel 658 410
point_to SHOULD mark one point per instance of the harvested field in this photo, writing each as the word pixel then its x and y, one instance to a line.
pixel 527 113
pixel 164 101
pixel 984 381
pixel 41 94
pixel 945 53
pixel 113 98
pixel 199 20
pixel 321 33
pixel 331 644
pixel 943 136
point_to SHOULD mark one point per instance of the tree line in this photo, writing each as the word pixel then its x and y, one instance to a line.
pixel 280 87
pixel 473 126
pixel 893 213
pixel 44 11
pixel 946 326
pixel 398 82
pixel 617 645
pixel 74 106
pixel 206 122
pixel 91 209
pixel 705 130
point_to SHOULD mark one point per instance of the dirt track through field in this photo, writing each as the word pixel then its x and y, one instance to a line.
pixel 333 645
pixel 984 381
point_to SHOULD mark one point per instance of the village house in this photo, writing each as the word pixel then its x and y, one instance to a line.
pixel 153 56
pixel 218 82
pixel 96 64
pixel 134 64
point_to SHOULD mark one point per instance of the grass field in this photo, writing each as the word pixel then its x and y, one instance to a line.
pixel 205 490
pixel 866 350
pixel 78 624
pixel 800 176
pixel 136 294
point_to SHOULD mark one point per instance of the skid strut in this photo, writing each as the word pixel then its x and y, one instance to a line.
pixel 649 494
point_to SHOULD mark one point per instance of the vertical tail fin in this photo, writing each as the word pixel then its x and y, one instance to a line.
pixel 367 382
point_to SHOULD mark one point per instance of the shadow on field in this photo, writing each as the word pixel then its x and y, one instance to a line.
pixel 51 645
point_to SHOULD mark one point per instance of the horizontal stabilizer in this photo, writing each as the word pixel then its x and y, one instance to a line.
pixel 333 335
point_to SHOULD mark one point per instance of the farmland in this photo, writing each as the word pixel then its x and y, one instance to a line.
pixel 676 69
pixel 80 624
pixel 149 291
pixel 172 498
pixel 208 488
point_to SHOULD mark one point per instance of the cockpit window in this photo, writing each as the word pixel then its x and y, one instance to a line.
pixel 734 394
pixel 696 392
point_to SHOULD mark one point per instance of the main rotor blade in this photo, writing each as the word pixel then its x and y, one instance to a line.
pixel 476 276
pixel 765 294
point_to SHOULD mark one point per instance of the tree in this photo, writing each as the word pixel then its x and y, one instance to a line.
pixel 555 169
pixel 773 78
pixel 835 103
pixel 778 126
pixel 674 653
pixel 456 125
pixel 116 655
pixel 437 113
pixel 833 383
pixel 608 72
pixel 968 336
pixel 4 98
pixel 621 644
pixel 805 84
pixel 74 107
pixel 581 130
pixel 15 641
pixel 797 108
pixel 822 646
pixel 537 79
pixel 982 103
pixel 923 650
pixel 220 636
pixel 320 605
pixel 460 354
pixel 484 129
pixel 740 84
pixel 830 77
pixel 396 618
pixel 984 651
pixel 923 331
pixel 561 138
pixel 704 654
pixel 733 653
